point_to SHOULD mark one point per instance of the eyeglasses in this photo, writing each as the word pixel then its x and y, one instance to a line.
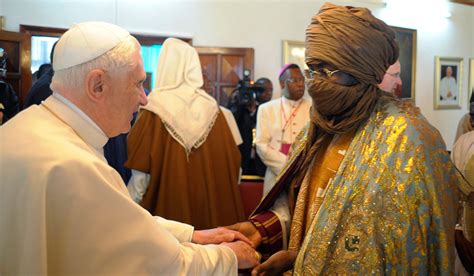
pixel 322 71
pixel 335 76
pixel 394 75
pixel 295 80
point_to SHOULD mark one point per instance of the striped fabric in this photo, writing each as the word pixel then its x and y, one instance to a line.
pixel 269 227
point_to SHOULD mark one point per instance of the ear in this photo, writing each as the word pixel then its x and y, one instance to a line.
pixel 282 84
pixel 96 84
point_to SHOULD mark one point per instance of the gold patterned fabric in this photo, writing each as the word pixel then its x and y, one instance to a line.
pixel 390 209
pixel 313 188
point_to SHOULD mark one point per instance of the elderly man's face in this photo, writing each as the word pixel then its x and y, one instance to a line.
pixel 449 71
pixel 293 85
pixel 127 94
pixel 391 78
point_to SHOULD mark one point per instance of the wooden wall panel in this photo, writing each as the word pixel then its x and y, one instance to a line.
pixel 225 67
pixel 18 49
pixel 232 69
pixel 209 64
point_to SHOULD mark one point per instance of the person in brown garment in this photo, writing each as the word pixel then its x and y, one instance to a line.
pixel 184 158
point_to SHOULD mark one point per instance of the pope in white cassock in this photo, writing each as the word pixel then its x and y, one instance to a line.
pixel 448 88
pixel 63 210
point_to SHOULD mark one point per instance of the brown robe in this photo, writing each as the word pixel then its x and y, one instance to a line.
pixel 201 189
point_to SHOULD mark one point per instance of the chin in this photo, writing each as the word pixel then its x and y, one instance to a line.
pixel 126 129
pixel 123 130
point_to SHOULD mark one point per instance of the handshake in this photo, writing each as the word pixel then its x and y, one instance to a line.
pixel 243 239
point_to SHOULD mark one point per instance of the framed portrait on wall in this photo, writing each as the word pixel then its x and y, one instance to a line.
pixel 407 42
pixel 293 52
pixel 470 90
pixel 448 83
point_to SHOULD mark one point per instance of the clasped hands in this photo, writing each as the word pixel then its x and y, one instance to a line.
pixel 242 239
pixel 277 263
pixel 243 247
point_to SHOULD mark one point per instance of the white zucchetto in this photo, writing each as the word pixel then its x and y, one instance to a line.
pixel 86 41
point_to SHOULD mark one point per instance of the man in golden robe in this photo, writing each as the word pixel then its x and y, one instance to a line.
pixel 184 158
pixel 369 187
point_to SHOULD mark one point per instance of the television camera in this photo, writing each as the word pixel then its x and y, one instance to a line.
pixel 247 91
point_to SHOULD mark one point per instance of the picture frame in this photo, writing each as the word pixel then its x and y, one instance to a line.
pixel 448 82
pixel 407 41
pixel 470 88
pixel 294 52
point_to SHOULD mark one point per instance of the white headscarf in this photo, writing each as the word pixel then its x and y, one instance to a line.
pixel 186 110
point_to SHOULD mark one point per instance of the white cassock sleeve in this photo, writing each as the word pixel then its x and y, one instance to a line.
pixel 234 129
pixel 268 148
pixel 93 227
pixel 137 185
pixel 443 88
pixel 181 231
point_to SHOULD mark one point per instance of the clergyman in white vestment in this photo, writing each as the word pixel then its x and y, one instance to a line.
pixel 63 210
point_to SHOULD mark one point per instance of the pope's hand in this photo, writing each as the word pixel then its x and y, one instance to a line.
pixel 218 235
pixel 249 230
pixel 247 257
pixel 276 264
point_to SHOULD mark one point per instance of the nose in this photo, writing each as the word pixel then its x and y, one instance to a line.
pixel 301 85
pixel 399 81
pixel 143 100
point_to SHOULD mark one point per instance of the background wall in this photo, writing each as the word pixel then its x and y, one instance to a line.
pixel 263 25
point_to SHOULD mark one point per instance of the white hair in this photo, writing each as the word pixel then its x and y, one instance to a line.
pixel 118 58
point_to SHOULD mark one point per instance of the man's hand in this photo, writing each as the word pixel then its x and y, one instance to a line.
pixel 247 257
pixel 218 235
pixel 249 230
pixel 276 264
